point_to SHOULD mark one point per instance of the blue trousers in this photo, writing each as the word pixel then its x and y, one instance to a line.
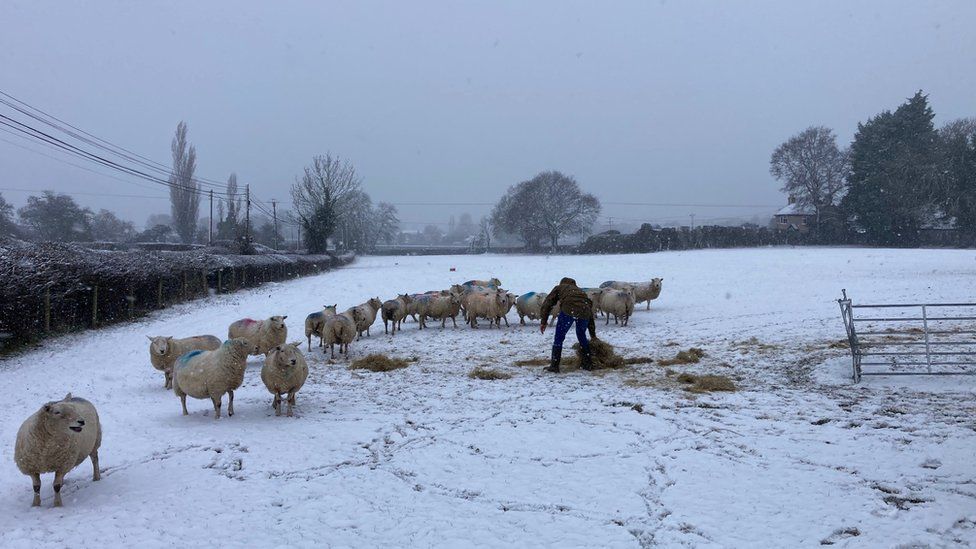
pixel 563 322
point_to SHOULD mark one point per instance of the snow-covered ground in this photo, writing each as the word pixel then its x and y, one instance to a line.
pixel 426 456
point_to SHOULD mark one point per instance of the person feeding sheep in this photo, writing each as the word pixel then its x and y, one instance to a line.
pixel 574 308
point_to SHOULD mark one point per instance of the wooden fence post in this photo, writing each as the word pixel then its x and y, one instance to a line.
pixel 159 294
pixel 94 306
pixel 47 309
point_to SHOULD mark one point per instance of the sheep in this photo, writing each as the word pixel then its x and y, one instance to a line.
pixel 530 305
pixel 594 294
pixel 264 334
pixel 619 303
pixel 315 324
pixel 368 311
pixel 485 305
pixel 395 310
pixel 443 307
pixel 492 283
pixel 210 374
pixel 284 371
pixel 44 443
pixel 508 302
pixel 464 292
pixel 340 330
pixel 643 291
pixel 164 350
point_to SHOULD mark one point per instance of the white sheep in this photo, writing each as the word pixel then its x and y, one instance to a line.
pixel 164 350
pixel 315 324
pixel 284 371
pixel 619 303
pixel 643 291
pixel 340 330
pixel 263 334
pixel 485 305
pixel 395 310
pixel 57 438
pixel 508 301
pixel 595 294
pixel 443 306
pixel 368 311
pixel 530 305
pixel 492 283
pixel 210 374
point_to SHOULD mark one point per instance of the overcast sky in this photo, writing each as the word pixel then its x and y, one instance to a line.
pixel 677 102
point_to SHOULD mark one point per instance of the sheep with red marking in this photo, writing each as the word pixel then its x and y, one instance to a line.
pixel 263 334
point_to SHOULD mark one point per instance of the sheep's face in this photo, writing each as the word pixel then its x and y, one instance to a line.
pixel 494 282
pixel 455 300
pixel 330 310
pixel 241 345
pixel 406 298
pixel 375 303
pixel 456 289
pixel 160 345
pixel 277 322
pixel 656 284
pixel 64 416
pixel 286 356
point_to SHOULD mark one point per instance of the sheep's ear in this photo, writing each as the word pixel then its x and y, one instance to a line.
pixel 67 396
pixel 278 348
pixel 149 338
pixel 47 407
pixel 284 317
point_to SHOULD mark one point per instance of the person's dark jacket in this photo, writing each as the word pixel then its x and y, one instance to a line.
pixel 572 300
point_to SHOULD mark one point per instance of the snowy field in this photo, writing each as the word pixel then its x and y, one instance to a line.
pixel 426 456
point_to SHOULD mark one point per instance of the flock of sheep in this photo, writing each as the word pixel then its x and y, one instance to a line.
pixel 62 434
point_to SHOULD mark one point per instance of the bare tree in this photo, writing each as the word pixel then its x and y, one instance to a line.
pixel 326 183
pixel 228 225
pixel 547 207
pixel 811 167
pixel 184 191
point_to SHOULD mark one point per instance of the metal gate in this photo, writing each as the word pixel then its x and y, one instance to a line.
pixel 911 338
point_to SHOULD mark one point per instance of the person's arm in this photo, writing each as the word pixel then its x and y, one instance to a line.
pixel 547 306
pixel 592 326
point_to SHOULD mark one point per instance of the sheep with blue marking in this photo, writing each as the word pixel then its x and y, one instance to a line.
pixel 210 374
pixel 529 305
pixel 315 324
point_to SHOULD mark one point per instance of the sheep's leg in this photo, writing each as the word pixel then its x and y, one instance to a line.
pixel 506 321
pixel 230 405
pixel 332 349
pixel 454 320
pixel 216 405
pixel 309 335
pixel 58 482
pixel 168 379
pixel 648 304
pixel 608 320
pixel 36 481
pixel 291 403
pixel 183 401
pixel 276 404
pixel 96 474
pixel 522 320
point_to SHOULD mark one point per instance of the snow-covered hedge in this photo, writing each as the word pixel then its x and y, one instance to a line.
pixel 52 288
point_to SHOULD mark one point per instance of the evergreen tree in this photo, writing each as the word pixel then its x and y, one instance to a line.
pixel 958 154
pixel 893 179
pixel 7 225
pixel 56 217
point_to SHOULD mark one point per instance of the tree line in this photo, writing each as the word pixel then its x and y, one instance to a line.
pixel 898 176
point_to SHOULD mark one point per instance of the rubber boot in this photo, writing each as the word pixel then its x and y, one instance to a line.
pixel 586 361
pixel 557 353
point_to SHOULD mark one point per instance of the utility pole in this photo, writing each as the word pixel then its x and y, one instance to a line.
pixel 210 242
pixel 274 215
pixel 610 222
pixel 692 221
pixel 247 222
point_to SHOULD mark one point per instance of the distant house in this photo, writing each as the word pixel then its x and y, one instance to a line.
pixel 794 217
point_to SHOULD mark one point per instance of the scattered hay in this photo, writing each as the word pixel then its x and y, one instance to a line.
pixel 691 356
pixel 706 383
pixel 488 374
pixel 839 344
pixel 379 363
pixel 533 362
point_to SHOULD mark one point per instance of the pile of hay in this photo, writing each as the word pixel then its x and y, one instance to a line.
pixel 603 354
pixel 706 383
pixel 378 363
pixel 691 356
pixel 488 374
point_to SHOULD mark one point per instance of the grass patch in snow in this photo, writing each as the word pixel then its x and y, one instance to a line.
pixel 489 374
pixel 691 356
pixel 707 383
pixel 379 363
pixel 603 354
